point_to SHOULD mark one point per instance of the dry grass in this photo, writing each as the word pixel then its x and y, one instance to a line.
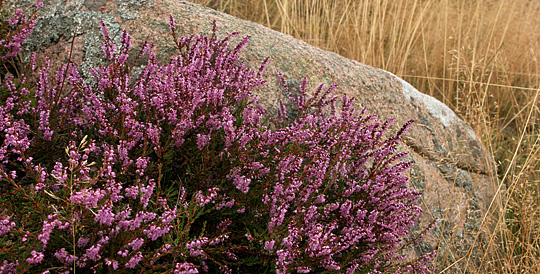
pixel 480 57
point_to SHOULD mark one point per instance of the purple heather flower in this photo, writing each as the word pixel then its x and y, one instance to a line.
pixel 112 263
pixel 202 140
pixel 224 225
pixel 63 256
pixel 154 232
pixel 231 255
pixel 13 41
pixel 92 253
pixel 142 164
pixel 136 244
pixel 25 237
pixel 82 242
pixel 203 200
pixel 218 240
pixel 109 48
pixel 225 269
pixel 15 19
pixel 269 245
pixel 36 258
pixel 196 244
pixel 134 260
pixel 88 197
pixel 123 253
pixel 132 192
pixel 185 268
pixel 303 269
pixel 48 227
pixel 9 268
pixel 172 22
pixel 147 191
pixel 105 215
pixel 6 225
pixel 165 248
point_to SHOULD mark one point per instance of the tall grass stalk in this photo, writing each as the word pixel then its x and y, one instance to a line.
pixel 480 57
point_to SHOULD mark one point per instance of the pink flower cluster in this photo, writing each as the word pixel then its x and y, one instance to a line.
pixel 11 45
pixel 6 225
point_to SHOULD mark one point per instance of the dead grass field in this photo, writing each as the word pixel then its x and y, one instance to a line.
pixel 480 57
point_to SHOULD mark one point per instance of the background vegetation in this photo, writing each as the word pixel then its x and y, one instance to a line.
pixel 480 57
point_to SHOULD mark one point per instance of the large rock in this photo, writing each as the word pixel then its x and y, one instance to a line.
pixel 451 167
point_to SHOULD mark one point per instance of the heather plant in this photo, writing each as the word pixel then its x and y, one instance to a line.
pixel 477 59
pixel 179 169
pixel 13 32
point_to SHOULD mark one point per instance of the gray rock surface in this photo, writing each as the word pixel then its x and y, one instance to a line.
pixel 451 167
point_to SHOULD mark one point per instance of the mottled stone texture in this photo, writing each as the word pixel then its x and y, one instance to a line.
pixel 451 167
